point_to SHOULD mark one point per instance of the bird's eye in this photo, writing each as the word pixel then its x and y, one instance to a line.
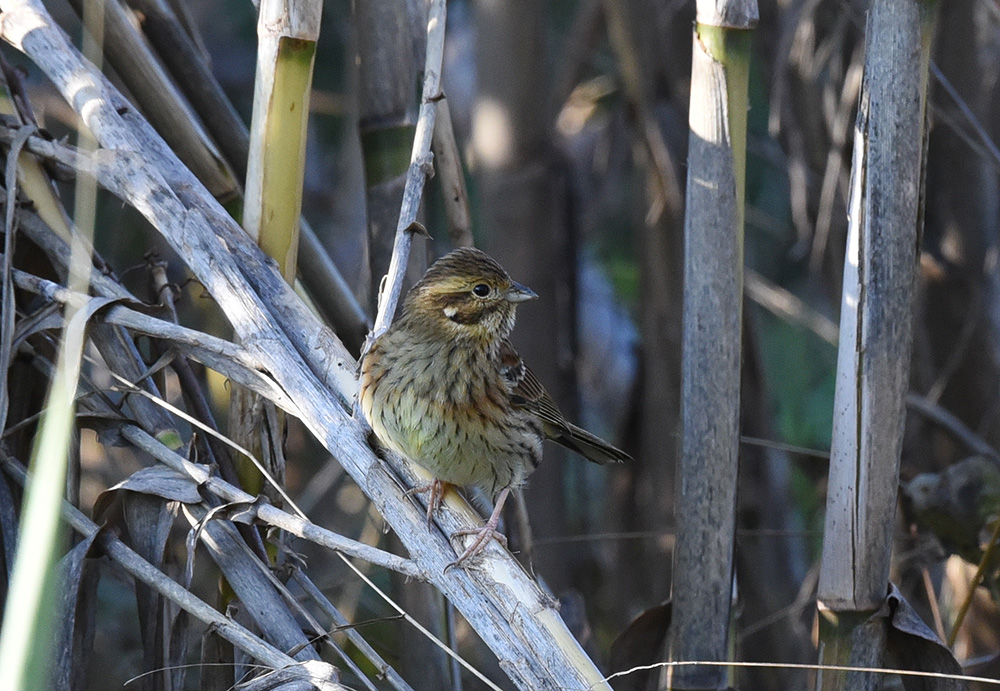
pixel 481 290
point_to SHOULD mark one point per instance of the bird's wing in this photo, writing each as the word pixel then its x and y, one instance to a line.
pixel 527 393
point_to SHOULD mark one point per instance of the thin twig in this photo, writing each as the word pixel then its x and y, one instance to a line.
pixel 990 149
pixel 948 421
pixel 786 305
pixel 932 600
pixel 448 164
pixel 420 169
pixel 840 130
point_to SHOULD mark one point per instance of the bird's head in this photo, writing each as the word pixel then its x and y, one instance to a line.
pixel 466 295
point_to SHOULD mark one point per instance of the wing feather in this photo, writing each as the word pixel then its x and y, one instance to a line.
pixel 527 393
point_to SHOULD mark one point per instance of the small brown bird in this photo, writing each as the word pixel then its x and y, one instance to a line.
pixel 445 388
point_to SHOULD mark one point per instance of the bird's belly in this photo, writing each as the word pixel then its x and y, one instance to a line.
pixel 459 443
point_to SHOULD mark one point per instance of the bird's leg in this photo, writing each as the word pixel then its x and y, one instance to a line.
pixel 485 534
pixel 437 488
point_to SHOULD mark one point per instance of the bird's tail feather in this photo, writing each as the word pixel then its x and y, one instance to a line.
pixel 590 446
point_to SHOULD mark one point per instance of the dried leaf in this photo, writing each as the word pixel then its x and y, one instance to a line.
pixel 912 645
pixel 148 523
pixel 156 480
pixel 641 643
pixel 78 589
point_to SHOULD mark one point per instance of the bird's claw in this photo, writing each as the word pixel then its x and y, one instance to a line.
pixel 483 536
pixel 437 488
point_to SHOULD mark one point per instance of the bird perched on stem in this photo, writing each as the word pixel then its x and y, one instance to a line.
pixel 444 387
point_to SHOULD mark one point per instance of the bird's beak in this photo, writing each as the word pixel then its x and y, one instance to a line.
pixel 520 293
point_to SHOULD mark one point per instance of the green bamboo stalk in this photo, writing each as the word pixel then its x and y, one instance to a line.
pixel 287 33
pixel 286 53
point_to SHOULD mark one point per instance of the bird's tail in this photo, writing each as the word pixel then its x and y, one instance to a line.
pixel 590 446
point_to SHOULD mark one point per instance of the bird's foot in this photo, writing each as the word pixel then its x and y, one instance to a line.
pixel 483 536
pixel 437 488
